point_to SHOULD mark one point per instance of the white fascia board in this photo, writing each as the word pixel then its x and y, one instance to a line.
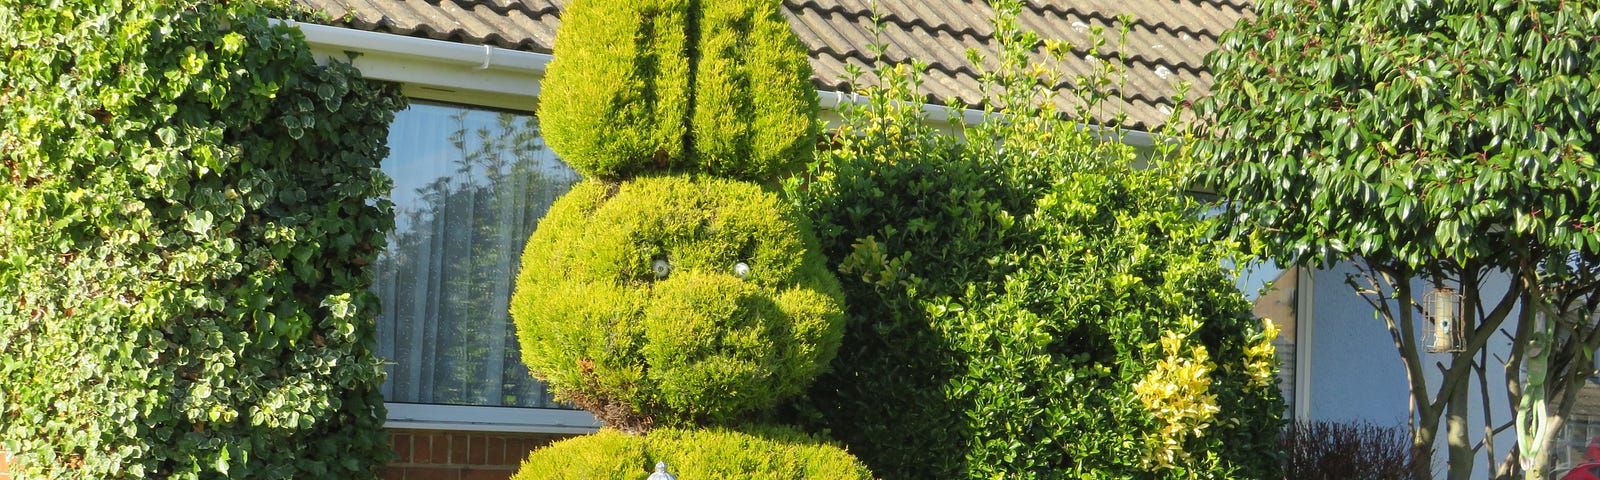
pixel 436 69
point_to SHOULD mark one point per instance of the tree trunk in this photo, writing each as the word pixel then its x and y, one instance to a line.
pixel 1539 466
pixel 1422 440
pixel 1458 433
pixel 1533 416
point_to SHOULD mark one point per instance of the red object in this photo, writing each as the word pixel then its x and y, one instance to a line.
pixel 1583 472
pixel 1590 468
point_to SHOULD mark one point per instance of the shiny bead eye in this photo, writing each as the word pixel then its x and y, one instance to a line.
pixel 661 268
pixel 741 270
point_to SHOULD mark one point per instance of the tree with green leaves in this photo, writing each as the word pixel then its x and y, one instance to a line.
pixel 1445 141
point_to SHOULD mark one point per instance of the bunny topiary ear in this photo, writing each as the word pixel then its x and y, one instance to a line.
pixel 615 99
pixel 755 108
pixel 692 86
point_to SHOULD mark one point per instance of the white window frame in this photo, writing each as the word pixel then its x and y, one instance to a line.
pixel 470 76
pixel 1305 288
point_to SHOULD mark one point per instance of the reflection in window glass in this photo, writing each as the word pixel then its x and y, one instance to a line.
pixel 1578 446
pixel 469 187
pixel 1272 290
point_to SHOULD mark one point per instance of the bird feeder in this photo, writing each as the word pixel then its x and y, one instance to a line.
pixel 1443 309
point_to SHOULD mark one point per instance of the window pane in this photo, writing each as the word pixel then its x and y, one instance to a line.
pixel 1273 293
pixel 469 187
pixel 1276 303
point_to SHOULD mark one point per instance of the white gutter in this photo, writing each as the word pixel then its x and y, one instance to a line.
pixel 481 57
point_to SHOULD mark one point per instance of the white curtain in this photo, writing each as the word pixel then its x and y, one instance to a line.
pixel 469 187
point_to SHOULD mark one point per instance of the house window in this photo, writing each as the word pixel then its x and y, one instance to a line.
pixel 470 185
pixel 1278 294
pixel 1578 446
pixel 1273 294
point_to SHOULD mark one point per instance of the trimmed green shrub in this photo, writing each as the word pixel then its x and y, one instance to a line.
pixel 185 221
pixel 617 96
pixel 765 453
pixel 657 294
pixel 719 87
pixel 755 109
pixel 1032 302
pixel 630 301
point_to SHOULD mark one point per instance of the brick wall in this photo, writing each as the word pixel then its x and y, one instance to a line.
pixel 448 455
pixel 443 455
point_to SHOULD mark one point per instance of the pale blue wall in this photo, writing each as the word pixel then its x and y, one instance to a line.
pixel 1356 373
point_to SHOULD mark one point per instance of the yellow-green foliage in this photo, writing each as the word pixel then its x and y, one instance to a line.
pixel 617 93
pixel 719 87
pixel 770 454
pixel 754 104
pixel 1177 393
pixel 698 344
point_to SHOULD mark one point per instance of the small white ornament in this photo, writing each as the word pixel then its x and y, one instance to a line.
pixel 661 473
pixel 661 267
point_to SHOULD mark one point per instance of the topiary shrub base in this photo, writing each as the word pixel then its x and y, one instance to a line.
pixel 768 454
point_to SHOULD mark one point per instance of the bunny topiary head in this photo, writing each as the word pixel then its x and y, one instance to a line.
pixel 675 301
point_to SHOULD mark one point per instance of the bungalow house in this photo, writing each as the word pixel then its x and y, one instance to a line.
pixel 460 402
pixel 472 178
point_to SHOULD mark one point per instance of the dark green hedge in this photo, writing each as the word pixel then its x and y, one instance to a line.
pixel 185 221
pixel 1034 301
